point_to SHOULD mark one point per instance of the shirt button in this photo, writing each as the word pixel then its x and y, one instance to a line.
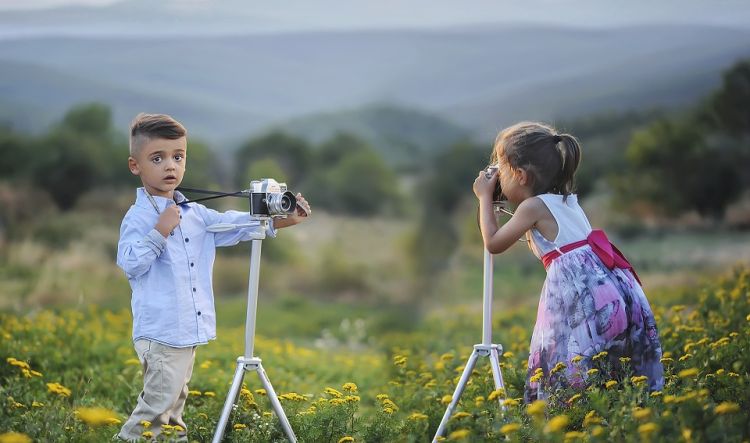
pixel 194 289
pixel 199 312
pixel 187 240
pixel 191 264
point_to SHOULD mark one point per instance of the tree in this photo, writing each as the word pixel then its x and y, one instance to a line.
pixel 291 153
pixel 730 105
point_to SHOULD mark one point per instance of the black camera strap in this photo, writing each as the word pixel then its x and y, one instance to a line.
pixel 214 194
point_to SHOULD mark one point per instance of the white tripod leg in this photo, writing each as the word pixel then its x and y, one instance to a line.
pixel 497 375
pixel 276 404
pixel 229 403
pixel 457 393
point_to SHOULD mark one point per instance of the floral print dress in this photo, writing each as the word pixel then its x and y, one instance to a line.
pixel 589 316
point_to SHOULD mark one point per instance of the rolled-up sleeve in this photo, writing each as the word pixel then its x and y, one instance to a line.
pixel 138 247
pixel 231 238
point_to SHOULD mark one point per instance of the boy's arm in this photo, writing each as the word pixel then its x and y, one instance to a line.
pixel 138 247
pixel 231 238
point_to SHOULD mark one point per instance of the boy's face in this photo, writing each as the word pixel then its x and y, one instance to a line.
pixel 160 163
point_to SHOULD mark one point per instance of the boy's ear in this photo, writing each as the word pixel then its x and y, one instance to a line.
pixel 133 166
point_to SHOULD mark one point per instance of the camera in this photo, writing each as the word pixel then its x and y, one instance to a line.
pixel 271 198
pixel 497 194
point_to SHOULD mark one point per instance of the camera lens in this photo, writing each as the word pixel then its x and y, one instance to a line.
pixel 281 204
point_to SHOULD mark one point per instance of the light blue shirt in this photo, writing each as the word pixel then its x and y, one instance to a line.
pixel 171 278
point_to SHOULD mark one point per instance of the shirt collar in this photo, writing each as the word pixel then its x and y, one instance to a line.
pixel 142 200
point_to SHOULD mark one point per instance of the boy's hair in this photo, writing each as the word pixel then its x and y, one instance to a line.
pixel 149 126
pixel 551 159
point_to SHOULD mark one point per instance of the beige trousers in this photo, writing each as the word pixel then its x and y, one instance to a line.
pixel 166 373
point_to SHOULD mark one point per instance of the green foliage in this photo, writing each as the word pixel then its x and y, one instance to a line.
pixel 729 105
pixel 292 154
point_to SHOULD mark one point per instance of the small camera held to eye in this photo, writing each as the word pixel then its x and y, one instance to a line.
pixel 497 194
pixel 269 198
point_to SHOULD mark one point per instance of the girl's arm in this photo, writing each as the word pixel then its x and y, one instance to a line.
pixel 497 240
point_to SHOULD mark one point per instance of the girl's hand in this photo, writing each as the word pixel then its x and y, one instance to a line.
pixel 484 186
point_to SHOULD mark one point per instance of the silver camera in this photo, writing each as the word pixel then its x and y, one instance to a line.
pixel 271 198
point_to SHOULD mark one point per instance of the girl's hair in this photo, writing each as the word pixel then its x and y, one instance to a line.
pixel 551 159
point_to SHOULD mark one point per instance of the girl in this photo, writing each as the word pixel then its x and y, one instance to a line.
pixel 592 311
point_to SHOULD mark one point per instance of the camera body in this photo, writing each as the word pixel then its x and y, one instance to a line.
pixel 497 194
pixel 269 198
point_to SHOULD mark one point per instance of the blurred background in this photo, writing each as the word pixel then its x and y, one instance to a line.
pixel 381 113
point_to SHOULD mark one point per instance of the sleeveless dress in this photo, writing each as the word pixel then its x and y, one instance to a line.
pixel 586 308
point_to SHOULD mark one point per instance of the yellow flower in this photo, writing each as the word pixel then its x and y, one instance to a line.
pixel 447 357
pixel 640 414
pixel 597 431
pixel 209 394
pixel 388 411
pixel 599 355
pixel 510 402
pixel 418 416
pixel 592 371
pixel 536 409
pixel 14 437
pixel 388 403
pixel 198 393
pixel 536 377
pixel 591 419
pixel 133 361
pixel 510 428
pixel 647 428
pixel 146 424
pixel 500 392
pixel 346 439
pixel 656 394
pixel 36 404
pixel 479 401
pixel 726 408
pixel 147 434
pixel 459 434
pixel 460 415
pixel 610 384
pixel 574 398
pixel 577 358
pixel 382 397
pixel 687 373
pixel 558 367
pixel 666 360
pixel 574 435
pixel 260 391
pixel 624 360
pixel 638 379
pixel 57 388
pixel 18 363
pixel 349 387
pixel 239 426
pixel 508 355
pixel 96 416
pixel 399 360
pixel 333 393
pixel 685 357
pixel 556 424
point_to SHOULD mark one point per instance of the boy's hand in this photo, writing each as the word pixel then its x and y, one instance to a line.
pixel 168 220
pixel 301 214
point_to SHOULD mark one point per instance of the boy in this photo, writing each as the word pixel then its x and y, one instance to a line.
pixel 168 257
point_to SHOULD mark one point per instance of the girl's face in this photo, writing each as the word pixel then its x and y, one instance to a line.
pixel 514 182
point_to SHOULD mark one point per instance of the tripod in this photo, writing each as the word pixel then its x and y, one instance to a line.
pixel 485 349
pixel 248 362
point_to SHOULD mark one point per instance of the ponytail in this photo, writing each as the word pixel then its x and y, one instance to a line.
pixel 570 155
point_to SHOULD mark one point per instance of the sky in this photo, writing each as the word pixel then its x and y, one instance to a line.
pixel 303 15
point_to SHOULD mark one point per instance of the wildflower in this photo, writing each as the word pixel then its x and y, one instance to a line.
pixel 687 434
pixel 36 404
pixel 97 416
pixel 536 409
pixel 337 401
pixel 147 434
pixel 14 437
pixel 510 402
pixel 418 416
pixel 591 419
pixel 479 401
pixel 638 379
pixel 430 384
pixel 388 403
pixel 460 415
pixel 447 357
pixel 536 377
pixel 624 360
pixel 592 372
pixel 209 394
pixel 726 408
pixel 133 362
pixel 686 373
pixel 198 393
pixel 510 428
pixel 574 398
pixel 238 426
pixel 146 424
pixel 346 439
pixel 260 391
pixel 574 435
pixel 558 367
pixel 647 428
pixel 496 393
pixel 685 357
pixel 600 355
pixel 556 424
pixel 36 373
pixel 610 384
pixel 666 360
pixel 399 360
pixel 577 358
pixel 333 393
pixel 57 388
pixel 349 387
pixel 17 363
pixel 381 397
pixel 719 371
pixel 388 411
pixel 459 434
pixel 641 413
pixel 733 374
pixel 656 394
pixel 508 355
pixel 597 431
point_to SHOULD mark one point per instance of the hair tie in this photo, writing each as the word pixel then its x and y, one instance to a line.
pixel 557 139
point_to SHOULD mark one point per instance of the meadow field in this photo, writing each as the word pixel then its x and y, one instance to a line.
pixel 370 362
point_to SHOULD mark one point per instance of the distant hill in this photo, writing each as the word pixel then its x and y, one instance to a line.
pixel 228 87
pixel 401 135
